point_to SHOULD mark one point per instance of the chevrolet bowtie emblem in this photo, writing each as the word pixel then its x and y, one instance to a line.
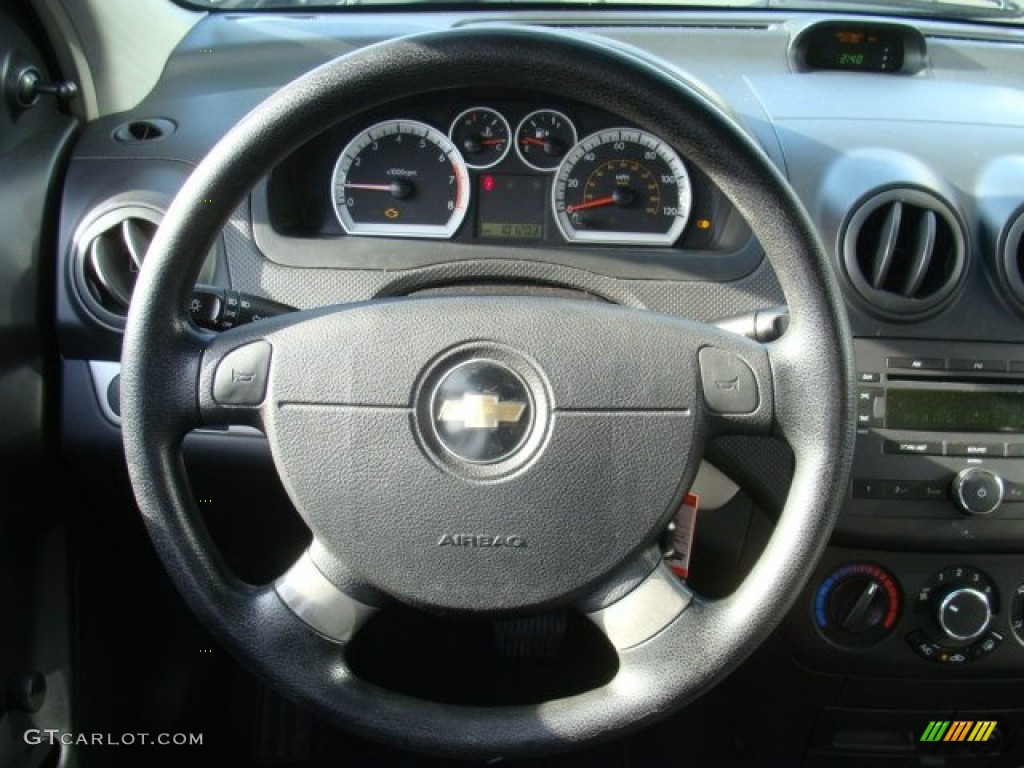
pixel 481 411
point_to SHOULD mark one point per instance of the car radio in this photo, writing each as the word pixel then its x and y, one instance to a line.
pixel 940 430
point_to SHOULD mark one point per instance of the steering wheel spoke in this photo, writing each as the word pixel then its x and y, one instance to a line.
pixel 631 609
pixel 319 603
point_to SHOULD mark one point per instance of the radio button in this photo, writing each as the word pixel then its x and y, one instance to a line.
pixel 867 420
pixel 869 377
pixel 1015 450
pixel 868 489
pixel 917 363
pixel 1013 491
pixel 976 449
pixel 978 491
pixel 918 447
pixel 866 397
pixel 1017 366
pixel 934 490
pixel 868 400
pixel 902 490
pixel 982 366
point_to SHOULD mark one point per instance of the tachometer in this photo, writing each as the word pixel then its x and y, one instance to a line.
pixel 400 178
pixel 622 186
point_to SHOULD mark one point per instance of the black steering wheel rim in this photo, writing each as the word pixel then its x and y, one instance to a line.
pixel 811 380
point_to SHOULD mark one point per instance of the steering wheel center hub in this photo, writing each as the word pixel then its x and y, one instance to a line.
pixel 471 475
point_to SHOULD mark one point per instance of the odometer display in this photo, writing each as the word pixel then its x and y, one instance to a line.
pixel 400 178
pixel 622 186
pixel 511 206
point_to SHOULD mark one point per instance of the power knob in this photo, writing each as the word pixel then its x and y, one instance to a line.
pixel 964 614
pixel 978 491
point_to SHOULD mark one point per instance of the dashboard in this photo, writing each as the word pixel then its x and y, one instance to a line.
pixel 406 178
pixel 516 173
pixel 902 140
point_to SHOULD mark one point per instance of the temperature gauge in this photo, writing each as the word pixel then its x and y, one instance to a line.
pixel 482 136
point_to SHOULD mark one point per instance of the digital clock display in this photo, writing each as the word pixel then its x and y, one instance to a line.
pixel 931 410
pixel 855 49
pixel 511 206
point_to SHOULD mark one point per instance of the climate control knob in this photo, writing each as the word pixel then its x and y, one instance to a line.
pixel 978 491
pixel 964 614
pixel 857 605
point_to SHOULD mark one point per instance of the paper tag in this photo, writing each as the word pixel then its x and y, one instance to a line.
pixel 681 540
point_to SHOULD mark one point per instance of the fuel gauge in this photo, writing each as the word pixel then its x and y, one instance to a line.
pixel 543 137
pixel 482 136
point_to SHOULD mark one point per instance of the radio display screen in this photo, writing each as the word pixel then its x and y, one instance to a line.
pixel 931 410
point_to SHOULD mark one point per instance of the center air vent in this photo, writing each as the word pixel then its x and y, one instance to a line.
pixel 904 252
pixel 108 252
pixel 1013 258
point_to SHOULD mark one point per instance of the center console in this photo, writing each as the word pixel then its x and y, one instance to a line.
pixel 926 569
pixel 918 604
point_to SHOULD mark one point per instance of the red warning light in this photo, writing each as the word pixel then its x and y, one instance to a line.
pixel 489 183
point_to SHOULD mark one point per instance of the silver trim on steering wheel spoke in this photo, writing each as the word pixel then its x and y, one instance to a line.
pixel 318 603
pixel 645 611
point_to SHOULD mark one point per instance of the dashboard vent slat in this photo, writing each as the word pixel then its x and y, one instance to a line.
pixel 886 245
pixel 924 248
pixel 904 251
pixel 137 236
pixel 110 279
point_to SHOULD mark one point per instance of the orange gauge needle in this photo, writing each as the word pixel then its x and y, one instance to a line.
pixel 529 140
pixel 610 200
pixel 374 187
pixel 492 142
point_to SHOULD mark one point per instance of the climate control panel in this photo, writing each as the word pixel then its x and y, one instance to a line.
pixel 955 612
pixel 910 614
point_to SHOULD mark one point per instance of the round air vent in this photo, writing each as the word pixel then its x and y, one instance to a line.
pixel 108 251
pixel 1013 258
pixel 905 253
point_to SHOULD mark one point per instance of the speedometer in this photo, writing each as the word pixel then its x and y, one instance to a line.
pixel 400 178
pixel 622 186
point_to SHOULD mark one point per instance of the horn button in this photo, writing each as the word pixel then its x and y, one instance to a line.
pixel 508 473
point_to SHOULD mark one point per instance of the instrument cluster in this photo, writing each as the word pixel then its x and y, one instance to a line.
pixel 514 176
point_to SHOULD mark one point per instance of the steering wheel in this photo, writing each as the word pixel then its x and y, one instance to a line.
pixel 582 423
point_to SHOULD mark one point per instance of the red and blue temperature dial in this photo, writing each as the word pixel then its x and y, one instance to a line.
pixel 858 605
